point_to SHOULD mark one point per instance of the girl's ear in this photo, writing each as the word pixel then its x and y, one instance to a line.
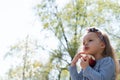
pixel 102 45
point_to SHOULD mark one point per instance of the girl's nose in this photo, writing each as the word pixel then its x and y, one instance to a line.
pixel 86 43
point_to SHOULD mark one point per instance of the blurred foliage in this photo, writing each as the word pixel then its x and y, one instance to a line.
pixel 27 64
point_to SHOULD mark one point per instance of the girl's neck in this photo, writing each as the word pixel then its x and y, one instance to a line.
pixel 98 56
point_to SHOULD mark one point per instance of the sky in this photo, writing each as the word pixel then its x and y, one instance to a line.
pixel 17 20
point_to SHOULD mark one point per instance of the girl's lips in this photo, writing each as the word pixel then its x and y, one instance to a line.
pixel 85 48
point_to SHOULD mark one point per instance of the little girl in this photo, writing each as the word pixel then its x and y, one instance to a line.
pixel 97 44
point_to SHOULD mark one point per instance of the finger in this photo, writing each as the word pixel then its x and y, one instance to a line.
pixel 87 58
pixel 82 59
pixel 75 59
pixel 78 55
pixel 81 53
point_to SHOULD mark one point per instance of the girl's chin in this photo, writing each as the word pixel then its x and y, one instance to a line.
pixel 88 53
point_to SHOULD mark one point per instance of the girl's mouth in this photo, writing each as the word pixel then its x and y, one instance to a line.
pixel 85 48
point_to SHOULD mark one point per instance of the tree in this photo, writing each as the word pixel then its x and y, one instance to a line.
pixel 29 67
pixel 68 24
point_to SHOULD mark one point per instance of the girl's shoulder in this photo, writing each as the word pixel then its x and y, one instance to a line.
pixel 106 60
pixel 104 63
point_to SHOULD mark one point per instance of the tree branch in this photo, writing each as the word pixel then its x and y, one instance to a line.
pixel 62 29
pixel 112 34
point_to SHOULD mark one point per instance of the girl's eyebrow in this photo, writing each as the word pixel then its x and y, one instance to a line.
pixel 87 38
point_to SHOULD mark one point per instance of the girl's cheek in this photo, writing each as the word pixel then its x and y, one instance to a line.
pixel 90 43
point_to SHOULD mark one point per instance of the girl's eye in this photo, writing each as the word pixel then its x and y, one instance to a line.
pixel 83 43
pixel 90 40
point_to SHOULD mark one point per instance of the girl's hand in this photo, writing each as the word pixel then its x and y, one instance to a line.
pixel 84 62
pixel 75 59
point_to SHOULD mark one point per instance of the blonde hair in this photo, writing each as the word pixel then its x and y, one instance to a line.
pixel 109 51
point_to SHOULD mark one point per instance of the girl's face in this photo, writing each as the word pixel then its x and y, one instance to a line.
pixel 92 44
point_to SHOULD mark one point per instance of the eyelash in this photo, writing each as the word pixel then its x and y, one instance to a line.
pixel 90 40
